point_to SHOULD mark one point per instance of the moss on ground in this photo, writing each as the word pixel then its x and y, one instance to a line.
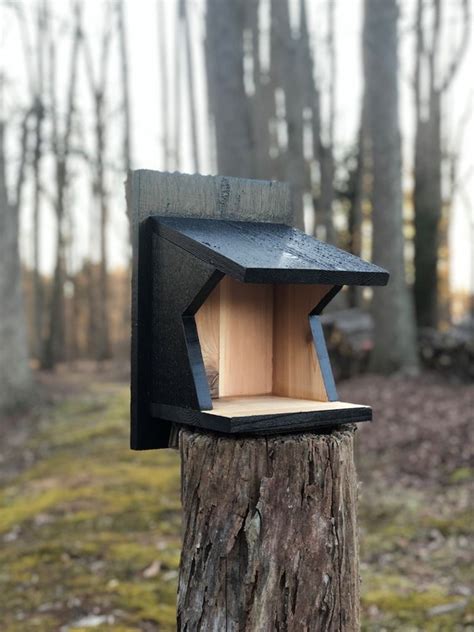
pixel 82 525
pixel 91 528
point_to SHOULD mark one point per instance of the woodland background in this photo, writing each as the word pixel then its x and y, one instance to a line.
pixel 247 88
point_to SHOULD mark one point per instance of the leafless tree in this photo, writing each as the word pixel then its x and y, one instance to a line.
pixel 125 83
pixel 261 96
pixel 428 199
pixel 164 85
pixel 38 151
pixel 15 376
pixel 34 58
pixel 228 103
pixel 98 89
pixel 61 139
pixel 395 340
pixel 287 73
pixel 326 145
pixel 192 101
pixel 358 195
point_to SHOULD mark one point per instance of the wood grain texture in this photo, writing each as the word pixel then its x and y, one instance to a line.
pixel 296 370
pixel 260 338
pixel 177 368
pixel 246 338
pixel 271 405
pixel 221 197
pixel 270 534
pixel 267 252
pixel 152 192
pixel 323 416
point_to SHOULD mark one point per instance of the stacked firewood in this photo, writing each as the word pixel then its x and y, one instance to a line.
pixel 449 352
pixel 350 337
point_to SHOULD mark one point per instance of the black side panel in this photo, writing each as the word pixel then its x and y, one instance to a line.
pixel 146 432
pixel 166 357
pixel 180 283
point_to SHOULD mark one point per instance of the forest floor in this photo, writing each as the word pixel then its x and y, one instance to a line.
pixel 90 531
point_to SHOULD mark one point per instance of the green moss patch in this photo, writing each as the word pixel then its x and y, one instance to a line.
pixel 82 525
pixel 91 528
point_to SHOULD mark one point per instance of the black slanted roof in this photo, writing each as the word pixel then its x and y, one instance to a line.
pixel 258 252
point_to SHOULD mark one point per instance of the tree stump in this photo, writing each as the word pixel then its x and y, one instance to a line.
pixel 270 533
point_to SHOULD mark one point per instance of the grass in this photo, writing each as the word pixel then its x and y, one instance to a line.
pixel 82 525
pixel 91 529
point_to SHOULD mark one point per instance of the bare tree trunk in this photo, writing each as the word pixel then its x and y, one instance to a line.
pixel 287 72
pixel 326 149
pixel 127 136
pixel 312 101
pixel 427 193
pixel 16 385
pixel 39 115
pixel 395 340
pixel 192 103
pixel 91 303
pixel 427 202
pixel 228 102
pixel 270 533
pixel 178 109
pixel 98 87
pixel 360 188
pixel 53 348
pixel 124 74
pixel 164 86
pixel 262 100
pixel 355 210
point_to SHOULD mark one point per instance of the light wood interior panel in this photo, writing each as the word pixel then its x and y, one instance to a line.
pixel 245 339
pixel 256 340
pixel 271 405
pixel 296 371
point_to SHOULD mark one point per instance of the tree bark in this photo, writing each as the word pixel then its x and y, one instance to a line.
pixel 326 149
pixel 53 347
pixel 164 86
pixel 262 100
pixel 270 533
pixel 227 99
pixel 357 197
pixel 287 74
pixel 191 88
pixel 16 385
pixel 38 150
pixel 429 90
pixel 98 88
pixel 395 339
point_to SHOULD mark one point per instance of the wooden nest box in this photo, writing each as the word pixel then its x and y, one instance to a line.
pixel 227 335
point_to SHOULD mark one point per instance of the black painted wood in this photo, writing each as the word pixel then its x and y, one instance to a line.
pixel 196 362
pixel 180 284
pixel 261 424
pixel 180 262
pixel 256 252
pixel 324 302
pixel 145 433
pixel 166 356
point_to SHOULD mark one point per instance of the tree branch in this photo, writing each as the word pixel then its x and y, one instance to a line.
pixel 459 54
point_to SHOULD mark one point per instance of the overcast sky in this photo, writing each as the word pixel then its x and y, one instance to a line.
pixel 141 17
